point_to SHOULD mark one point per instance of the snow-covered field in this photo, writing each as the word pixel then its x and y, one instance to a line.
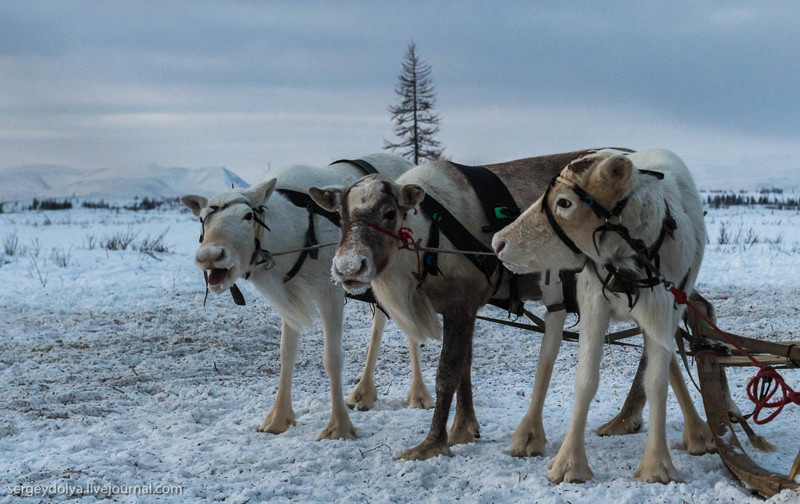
pixel 112 372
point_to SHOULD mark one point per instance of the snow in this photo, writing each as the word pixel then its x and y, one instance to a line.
pixel 112 372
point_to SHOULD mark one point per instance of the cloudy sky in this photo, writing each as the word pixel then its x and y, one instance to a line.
pixel 249 84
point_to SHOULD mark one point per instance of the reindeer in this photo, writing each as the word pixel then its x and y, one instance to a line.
pixel 240 226
pixel 633 223
pixel 368 256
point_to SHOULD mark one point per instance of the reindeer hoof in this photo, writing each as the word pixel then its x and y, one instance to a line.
pixel 527 442
pixel 569 469
pixel 277 422
pixel 342 429
pixel 657 471
pixel 420 398
pixel 425 450
pixel 463 432
pixel 363 397
pixel 621 425
pixel 699 441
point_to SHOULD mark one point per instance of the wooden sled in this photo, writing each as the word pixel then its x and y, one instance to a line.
pixel 722 415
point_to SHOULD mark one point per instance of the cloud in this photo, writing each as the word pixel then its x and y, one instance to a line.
pixel 244 84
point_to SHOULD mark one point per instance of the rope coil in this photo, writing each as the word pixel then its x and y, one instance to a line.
pixel 764 385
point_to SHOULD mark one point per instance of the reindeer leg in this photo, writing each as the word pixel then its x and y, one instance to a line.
pixel 529 439
pixel 331 308
pixel 629 419
pixel 418 394
pixel 281 415
pixel 570 464
pixel 465 427
pixel 458 328
pixel 659 324
pixel 697 439
pixel 365 394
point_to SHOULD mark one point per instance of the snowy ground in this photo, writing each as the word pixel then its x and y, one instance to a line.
pixel 111 371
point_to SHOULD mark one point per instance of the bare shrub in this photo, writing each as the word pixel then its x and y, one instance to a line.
pixel 741 237
pixel 35 247
pixel 751 238
pixel 11 244
pixel 91 241
pixel 775 241
pixel 120 240
pixel 724 236
pixel 151 246
pixel 61 257
pixel 33 267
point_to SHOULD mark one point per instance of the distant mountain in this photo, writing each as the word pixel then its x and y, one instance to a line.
pixel 152 180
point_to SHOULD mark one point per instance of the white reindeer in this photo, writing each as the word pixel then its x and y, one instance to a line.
pixel 582 220
pixel 239 226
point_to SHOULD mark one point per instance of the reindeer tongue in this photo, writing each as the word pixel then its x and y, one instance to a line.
pixel 217 276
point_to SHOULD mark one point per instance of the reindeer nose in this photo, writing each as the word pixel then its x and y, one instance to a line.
pixel 208 255
pixel 499 246
pixel 350 266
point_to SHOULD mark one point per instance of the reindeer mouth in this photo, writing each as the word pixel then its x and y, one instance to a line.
pixel 516 268
pixel 217 276
pixel 355 287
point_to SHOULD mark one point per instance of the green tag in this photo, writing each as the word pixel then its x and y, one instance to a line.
pixel 501 212
pixel 436 217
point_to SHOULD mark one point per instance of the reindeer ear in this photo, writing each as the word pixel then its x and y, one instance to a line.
pixel 194 203
pixel 259 194
pixel 329 198
pixel 410 196
pixel 614 172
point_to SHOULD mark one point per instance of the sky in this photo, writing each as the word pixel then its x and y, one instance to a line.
pixel 250 85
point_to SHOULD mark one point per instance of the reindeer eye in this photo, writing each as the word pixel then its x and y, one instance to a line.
pixel 564 203
pixel 390 215
pixel 248 216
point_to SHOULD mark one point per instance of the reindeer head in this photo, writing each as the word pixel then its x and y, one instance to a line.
pixel 556 232
pixel 364 252
pixel 230 233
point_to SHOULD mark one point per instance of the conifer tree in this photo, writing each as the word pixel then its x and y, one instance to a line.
pixel 415 123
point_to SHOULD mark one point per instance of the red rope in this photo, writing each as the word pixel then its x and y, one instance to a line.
pixel 759 389
pixel 406 237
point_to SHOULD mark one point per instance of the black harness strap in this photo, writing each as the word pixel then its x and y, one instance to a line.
pixel 500 209
pixel 302 199
pixel 569 300
pixel 311 240
pixel 366 167
pixel 459 236
pixel 430 260
pixel 554 225
pixel 496 200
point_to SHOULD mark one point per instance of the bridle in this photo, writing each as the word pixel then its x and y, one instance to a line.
pixel 260 257
pixel 649 256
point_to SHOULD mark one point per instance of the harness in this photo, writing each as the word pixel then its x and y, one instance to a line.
pixel 302 199
pixel 262 256
pixel 501 210
pixel 647 257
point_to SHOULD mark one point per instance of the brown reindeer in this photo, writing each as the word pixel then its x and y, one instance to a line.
pixel 368 257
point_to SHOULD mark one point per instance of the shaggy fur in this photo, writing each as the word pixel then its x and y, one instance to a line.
pixel 228 245
pixel 531 244
pixel 367 257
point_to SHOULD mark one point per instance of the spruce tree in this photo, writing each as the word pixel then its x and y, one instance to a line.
pixel 415 123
